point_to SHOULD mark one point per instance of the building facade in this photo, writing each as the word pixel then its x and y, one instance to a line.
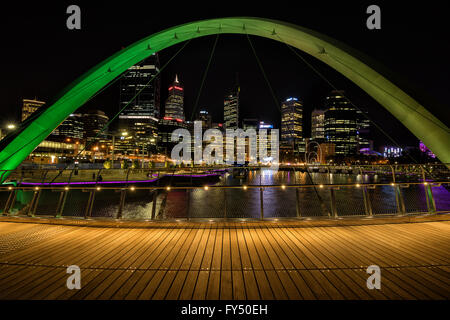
pixel 318 125
pixel 71 128
pixel 94 121
pixel 29 106
pixel 231 109
pixel 174 107
pixel 341 124
pixel 140 96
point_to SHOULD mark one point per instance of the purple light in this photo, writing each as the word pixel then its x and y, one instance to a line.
pixel 111 182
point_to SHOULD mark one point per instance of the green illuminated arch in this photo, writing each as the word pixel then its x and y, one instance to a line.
pixel 436 135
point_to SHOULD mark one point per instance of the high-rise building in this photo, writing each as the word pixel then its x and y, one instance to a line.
pixel 174 107
pixel 205 118
pixel 291 120
pixel 141 97
pixel 72 127
pixel 94 121
pixel 231 109
pixel 318 125
pixel 341 123
pixel 166 126
pixel 363 131
pixel 29 106
pixel 292 126
pixel 250 124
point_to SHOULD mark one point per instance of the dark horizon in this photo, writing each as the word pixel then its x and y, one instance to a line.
pixel 44 56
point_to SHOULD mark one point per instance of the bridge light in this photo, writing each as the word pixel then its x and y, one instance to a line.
pixel 245 187
pixel 357 185
pixel 36 188
pixel 283 187
pixel 132 188
pixel 392 184
pixel 168 188
pixel 98 188
pixel 425 183
pixel 206 187
pixel 66 188
pixel 321 186
pixel 9 188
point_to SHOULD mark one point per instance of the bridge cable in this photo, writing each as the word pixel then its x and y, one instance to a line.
pixel 204 77
pixel 322 203
pixel 354 105
pixel 132 99
pixel 35 115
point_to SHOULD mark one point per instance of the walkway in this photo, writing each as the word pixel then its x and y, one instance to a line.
pixel 233 261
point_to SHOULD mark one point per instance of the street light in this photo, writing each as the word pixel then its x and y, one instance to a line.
pixel 11 126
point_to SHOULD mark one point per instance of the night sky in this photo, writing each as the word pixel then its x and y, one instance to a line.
pixel 40 56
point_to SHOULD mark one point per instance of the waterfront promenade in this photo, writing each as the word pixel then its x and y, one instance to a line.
pixel 225 260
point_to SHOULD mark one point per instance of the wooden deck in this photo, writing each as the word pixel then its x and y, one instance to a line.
pixel 227 262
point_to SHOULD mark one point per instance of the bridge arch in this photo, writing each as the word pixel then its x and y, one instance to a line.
pixel 435 134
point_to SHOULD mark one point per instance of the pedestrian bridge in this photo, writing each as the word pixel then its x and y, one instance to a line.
pixel 226 260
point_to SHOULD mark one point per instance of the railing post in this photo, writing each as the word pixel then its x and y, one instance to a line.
pixel 8 202
pixel 33 204
pixel 123 194
pixel 61 204
pixel 261 197
pixel 225 207
pixel 88 211
pixel 399 200
pixel 333 203
pixel 297 202
pixel 155 194
pixel 367 202
pixel 188 200
pixel 431 205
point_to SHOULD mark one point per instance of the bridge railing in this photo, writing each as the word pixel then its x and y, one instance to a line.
pixel 166 202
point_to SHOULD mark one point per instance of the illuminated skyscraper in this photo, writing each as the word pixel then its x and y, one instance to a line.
pixel 363 131
pixel 94 121
pixel 341 123
pixel 29 106
pixel 291 120
pixel 205 118
pixel 292 125
pixel 231 109
pixel 140 94
pixel 175 101
pixel 318 125
pixel 72 127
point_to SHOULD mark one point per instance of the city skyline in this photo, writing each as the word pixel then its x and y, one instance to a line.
pixel 234 55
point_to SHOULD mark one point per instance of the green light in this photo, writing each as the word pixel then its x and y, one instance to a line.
pixel 338 56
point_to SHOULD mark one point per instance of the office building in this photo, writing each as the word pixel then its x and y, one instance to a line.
pixel 174 107
pixel 340 124
pixel 140 96
pixel 29 106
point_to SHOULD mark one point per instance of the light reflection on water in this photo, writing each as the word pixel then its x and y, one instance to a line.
pixel 240 203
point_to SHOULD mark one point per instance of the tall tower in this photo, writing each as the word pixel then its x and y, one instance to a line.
pixel 291 120
pixel 292 125
pixel 318 125
pixel 340 123
pixel 140 117
pixel 175 101
pixel 231 107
